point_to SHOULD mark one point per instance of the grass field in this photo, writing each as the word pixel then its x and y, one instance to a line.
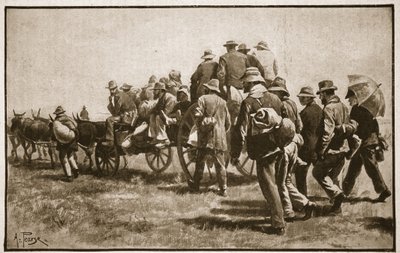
pixel 140 209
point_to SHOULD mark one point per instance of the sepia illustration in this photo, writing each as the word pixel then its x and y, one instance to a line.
pixel 208 127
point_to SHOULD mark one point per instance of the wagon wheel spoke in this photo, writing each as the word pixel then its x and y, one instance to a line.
pixel 104 166
pixel 163 154
pixel 245 161
pixel 252 167
pixel 209 172
pixel 162 160
pixel 154 158
pixel 158 161
pixel 187 164
pixel 112 159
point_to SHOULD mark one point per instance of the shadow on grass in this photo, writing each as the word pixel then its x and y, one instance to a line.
pixel 318 198
pixel 57 177
pixel 148 177
pixel 212 222
pixel 180 189
pixel 36 164
pixel 385 225
pixel 354 200
pixel 237 180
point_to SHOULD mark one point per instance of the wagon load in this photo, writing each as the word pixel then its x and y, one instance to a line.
pixel 62 133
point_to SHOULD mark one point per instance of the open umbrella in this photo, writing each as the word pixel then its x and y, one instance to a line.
pixel 368 93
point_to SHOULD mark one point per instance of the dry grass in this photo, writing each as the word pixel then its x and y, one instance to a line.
pixel 139 209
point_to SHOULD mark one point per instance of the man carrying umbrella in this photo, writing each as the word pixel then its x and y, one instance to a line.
pixel 367 102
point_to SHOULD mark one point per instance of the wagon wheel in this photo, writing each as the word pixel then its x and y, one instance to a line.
pixel 159 159
pixel 107 159
pixel 125 162
pixel 246 166
pixel 187 153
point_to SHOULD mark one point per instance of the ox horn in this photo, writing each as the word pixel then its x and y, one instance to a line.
pixel 33 115
pixel 73 116
pixel 79 118
pixel 14 113
pixel 51 118
pixel 38 113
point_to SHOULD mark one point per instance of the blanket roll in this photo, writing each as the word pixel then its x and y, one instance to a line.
pixel 62 133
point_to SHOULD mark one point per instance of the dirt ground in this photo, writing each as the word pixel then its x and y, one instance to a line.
pixel 139 209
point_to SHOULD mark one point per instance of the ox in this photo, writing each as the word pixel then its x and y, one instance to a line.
pixel 32 132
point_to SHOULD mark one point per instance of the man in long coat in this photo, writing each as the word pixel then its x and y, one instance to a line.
pixel 206 71
pixel 258 97
pixel 232 67
pixel 122 108
pixel 330 145
pixel 268 60
pixel 368 131
pixel 213 122
pixel 311 117
pixel 157 125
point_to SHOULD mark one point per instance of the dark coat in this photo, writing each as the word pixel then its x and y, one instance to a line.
pixel 212 105
pixel 68 122
pixel 206 71
pixel 166 103
pixel 254 62
pixel 311 117
pixel 114 108
pixel 249 106
pixel 291 112
pixel 232 67
pixel 368 127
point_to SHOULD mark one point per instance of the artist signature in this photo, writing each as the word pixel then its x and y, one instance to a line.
pixel 26 239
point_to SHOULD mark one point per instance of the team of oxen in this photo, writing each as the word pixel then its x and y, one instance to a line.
pixel 35 135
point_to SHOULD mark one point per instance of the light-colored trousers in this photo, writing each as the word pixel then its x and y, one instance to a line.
pixel 290 195
pixel 266 175
pixel 157 128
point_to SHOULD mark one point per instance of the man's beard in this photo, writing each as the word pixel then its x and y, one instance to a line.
pixel 324 101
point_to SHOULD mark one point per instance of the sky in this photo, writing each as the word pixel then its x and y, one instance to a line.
pixel 67 56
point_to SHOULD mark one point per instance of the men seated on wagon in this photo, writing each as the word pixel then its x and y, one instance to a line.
pixel 122 109
pixel 165 104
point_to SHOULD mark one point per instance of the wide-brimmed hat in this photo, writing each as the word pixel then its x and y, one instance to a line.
pixel 125 86
pixel 263 45
pixel 112 85
pixel 279 84
pixel 230 43
pixel 159 86
pixel 184 89
pixel 208 54
pixel 306 91
pixel 252 74
pixel 59 110
pixel 213 84
pixel 326 85
pixel 243 48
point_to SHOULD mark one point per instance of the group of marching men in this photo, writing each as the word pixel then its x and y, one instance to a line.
pixel 244 95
